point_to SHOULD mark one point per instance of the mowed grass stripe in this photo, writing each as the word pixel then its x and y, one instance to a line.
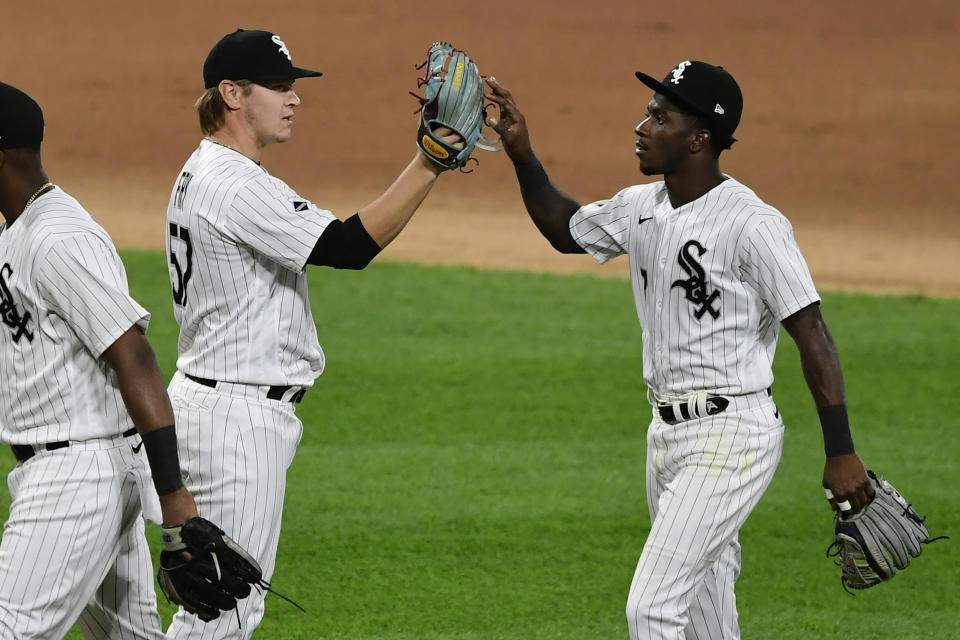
pixel 472 464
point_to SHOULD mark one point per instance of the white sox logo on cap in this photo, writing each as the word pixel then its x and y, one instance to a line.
pixel 258 56
pixel 707 90
pixel 283 48
pixel 678 72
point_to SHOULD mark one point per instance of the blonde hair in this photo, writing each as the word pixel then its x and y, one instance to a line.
pixel 212 109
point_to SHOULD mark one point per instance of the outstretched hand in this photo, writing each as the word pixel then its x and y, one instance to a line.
pixel 510 125
pixel 846 478
pixel 449 136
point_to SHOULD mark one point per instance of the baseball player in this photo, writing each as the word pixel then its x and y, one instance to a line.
pixel 714 270
pixel 78 375
pixel 239 241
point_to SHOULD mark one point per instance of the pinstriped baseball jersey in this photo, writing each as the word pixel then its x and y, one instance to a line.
pixel 238 243
pixel 711 279
pixel 73 547
pixel 64 301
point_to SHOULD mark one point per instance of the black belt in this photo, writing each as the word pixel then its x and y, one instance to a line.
pixel 276 392
pixel 24 452
pixel 714 405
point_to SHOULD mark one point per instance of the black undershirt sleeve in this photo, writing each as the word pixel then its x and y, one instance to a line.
pixel 344 245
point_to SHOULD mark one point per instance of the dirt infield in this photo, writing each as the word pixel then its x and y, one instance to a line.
pixel 847 114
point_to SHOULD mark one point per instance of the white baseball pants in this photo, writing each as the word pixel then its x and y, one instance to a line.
pixel 704 477
pixel 235 448
pixel 73 548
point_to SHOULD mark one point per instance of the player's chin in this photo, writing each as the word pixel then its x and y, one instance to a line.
pixel 285 131
pixel 648 169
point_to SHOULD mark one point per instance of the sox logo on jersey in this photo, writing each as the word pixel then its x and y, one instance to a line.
pixel 696 285
pixel 738 235
pixel 8 309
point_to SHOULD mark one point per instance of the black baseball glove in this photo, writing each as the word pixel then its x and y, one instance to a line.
pixel 879 539
pixel 218 573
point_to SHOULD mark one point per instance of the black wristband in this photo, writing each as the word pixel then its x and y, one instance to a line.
pixel 161 445
pixel 837 440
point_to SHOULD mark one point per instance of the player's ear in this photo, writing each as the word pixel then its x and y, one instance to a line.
pixel 700 140
pixel 231 93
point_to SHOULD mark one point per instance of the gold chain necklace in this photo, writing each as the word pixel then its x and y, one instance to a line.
pixel 36 194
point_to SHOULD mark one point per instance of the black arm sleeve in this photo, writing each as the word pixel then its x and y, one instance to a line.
pixel 549 208
pixel 344 245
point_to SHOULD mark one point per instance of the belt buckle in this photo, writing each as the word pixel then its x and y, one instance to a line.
pixel 697 405
pixel 716 404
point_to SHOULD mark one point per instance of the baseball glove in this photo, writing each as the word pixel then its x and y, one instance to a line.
pixel 454 99
pixel 218 573
pixel 877 540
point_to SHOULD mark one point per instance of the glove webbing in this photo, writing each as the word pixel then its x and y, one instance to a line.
pixel 261 586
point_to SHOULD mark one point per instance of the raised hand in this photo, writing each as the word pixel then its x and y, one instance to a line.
pixel 510 125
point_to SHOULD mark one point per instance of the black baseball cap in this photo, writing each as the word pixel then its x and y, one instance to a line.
pixel 258 56
pixel 708 91
pixel 21 120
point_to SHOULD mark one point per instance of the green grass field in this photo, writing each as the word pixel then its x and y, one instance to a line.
pixel 472 462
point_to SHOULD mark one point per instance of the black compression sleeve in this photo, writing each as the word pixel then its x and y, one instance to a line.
pixel 344 245
pixel 161 447
pixel 837 440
